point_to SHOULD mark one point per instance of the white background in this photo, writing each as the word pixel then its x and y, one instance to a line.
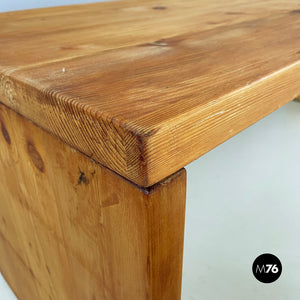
pixel 243 200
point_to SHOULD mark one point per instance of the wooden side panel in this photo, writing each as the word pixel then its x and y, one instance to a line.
pixel 71 229
pixel 165 210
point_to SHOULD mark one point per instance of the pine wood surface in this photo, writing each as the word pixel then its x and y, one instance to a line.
pixel 144 87
pixel 73 230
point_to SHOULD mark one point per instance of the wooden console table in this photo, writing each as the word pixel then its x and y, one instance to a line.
pixel 102 105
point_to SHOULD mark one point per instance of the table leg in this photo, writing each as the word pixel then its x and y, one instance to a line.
pixel 72 229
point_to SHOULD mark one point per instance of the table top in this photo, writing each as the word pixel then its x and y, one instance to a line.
pixel 146 87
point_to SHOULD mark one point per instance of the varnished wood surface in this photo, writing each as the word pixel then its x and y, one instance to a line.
pixel 144 87
pixel 73 230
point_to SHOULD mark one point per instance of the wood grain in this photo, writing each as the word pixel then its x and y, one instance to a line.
pixel 73 230
pixel 143 88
